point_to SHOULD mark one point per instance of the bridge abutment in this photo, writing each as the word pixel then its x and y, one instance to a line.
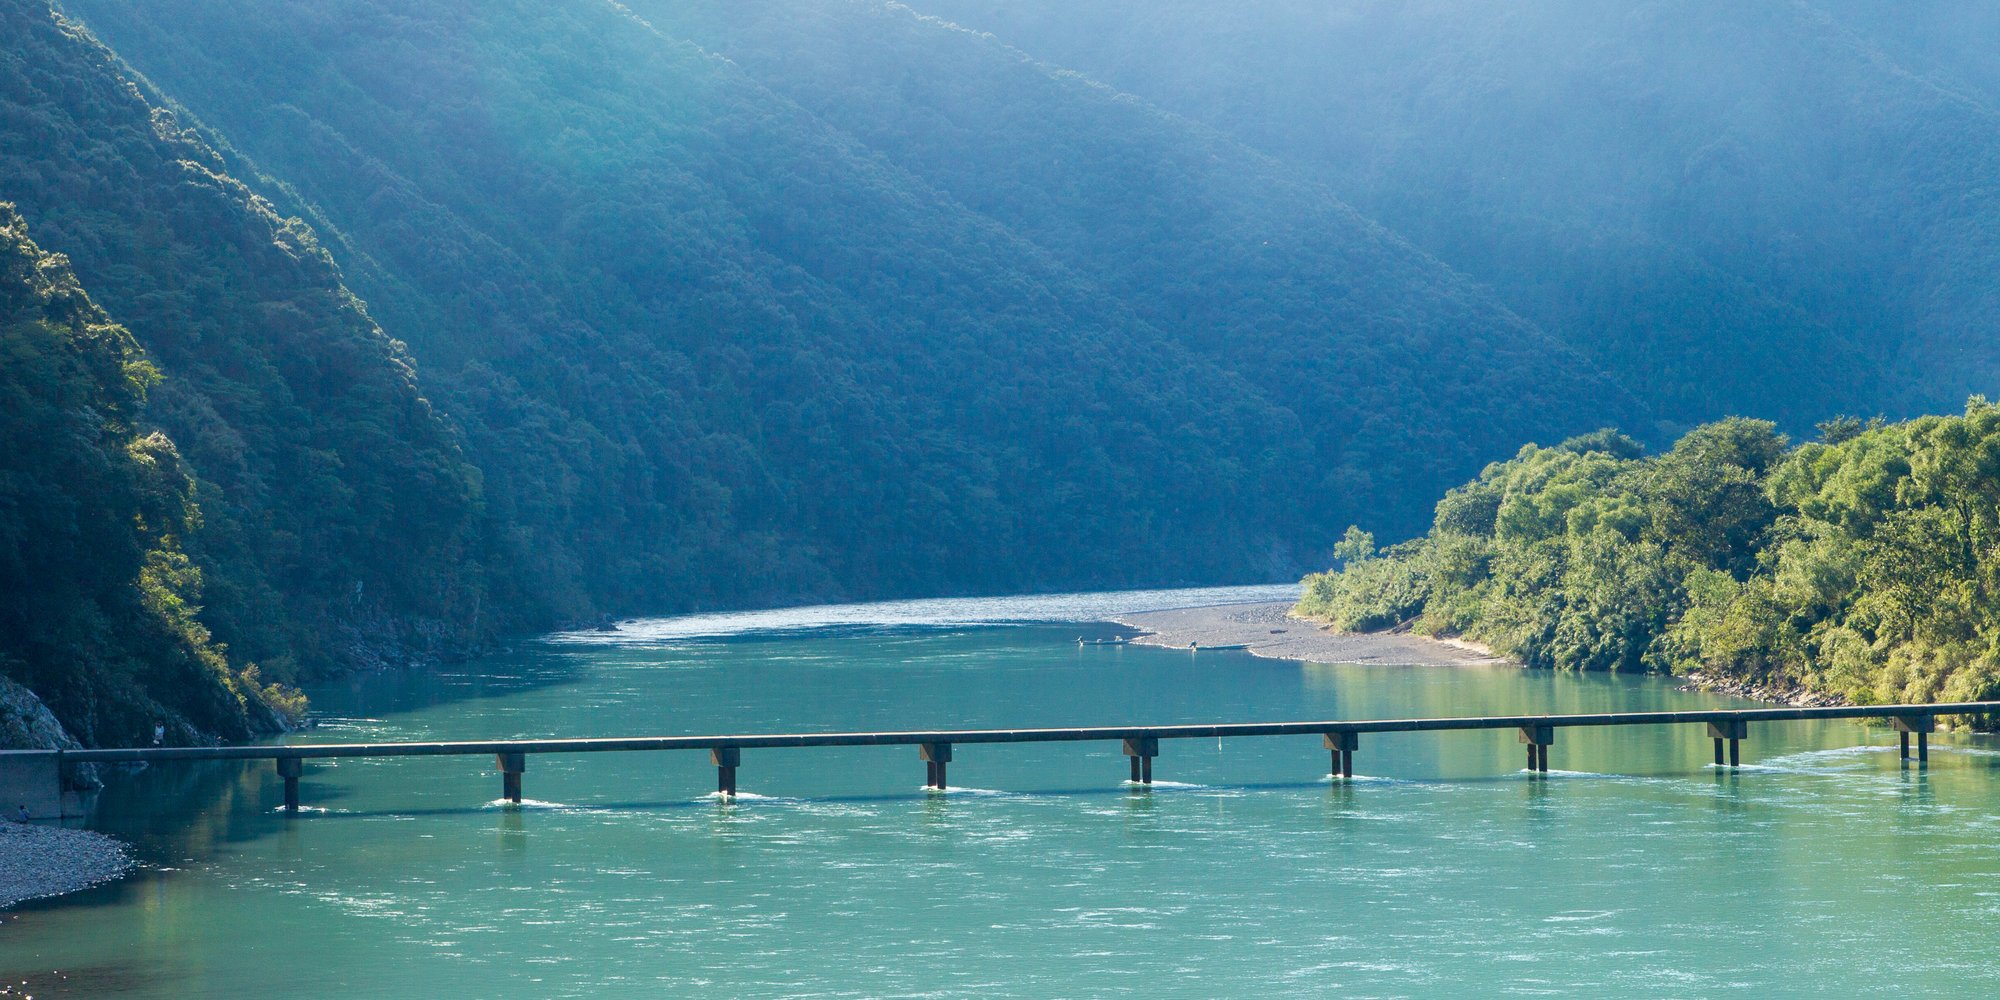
pixel 31 780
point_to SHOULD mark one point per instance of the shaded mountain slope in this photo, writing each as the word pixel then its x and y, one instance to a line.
pixel 338 510
pixel 1397 367
pixel 710 346
pixel 99 616
pixel 1735 208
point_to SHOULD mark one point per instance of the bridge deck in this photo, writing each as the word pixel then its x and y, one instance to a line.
pixel 1140 743
pixel 1071 735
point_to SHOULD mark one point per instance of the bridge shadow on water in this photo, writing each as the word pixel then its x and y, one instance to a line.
pixel 224 804
pixel 1705 776
pixel 209 805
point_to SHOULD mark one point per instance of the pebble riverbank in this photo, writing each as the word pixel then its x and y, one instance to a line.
pixel 37 861
pixel 1268 629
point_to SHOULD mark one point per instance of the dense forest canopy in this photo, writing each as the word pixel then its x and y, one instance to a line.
pixel 100 612
pixel 1398 369
pixel 1696 195
pixel 337 511
pixel 1864 565
pixel 472 318
pixel 711 345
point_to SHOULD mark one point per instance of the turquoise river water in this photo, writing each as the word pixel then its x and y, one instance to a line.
pixel 1824 867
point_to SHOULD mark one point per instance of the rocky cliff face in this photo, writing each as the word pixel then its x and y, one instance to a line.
pixel 27 724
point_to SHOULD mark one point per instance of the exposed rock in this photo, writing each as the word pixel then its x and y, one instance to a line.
pixel 27 724
pixel 1761 690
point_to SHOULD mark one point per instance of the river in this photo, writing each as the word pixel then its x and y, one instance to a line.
pixel 1636 869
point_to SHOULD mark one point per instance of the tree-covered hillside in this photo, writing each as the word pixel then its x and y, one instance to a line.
pixel 721 305
pixel 710 346
pixel 1399 370
pixel 99 617
pixel 338 513
pixel 1865 565
pixel 1773 209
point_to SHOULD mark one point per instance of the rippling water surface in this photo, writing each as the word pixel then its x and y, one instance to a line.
pixel 1635 870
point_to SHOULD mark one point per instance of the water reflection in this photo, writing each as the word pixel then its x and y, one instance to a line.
pixel 1042 873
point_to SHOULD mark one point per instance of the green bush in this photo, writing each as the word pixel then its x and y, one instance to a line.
pixel 1866 566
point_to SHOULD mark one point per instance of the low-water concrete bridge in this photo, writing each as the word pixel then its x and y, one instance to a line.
pixel 32 777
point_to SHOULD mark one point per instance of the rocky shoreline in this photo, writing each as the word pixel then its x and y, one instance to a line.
pixel 1777 694
pixel 38 861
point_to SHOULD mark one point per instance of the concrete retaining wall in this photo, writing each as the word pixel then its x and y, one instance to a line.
pixel 30 778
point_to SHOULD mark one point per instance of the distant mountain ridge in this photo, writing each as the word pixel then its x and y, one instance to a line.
pixel 335 509
pixel 714 348
pixel 1373 344
pixel 1775 210
pixel 693 305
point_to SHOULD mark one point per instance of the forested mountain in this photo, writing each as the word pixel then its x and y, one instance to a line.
pixel 722 305
pixel 1397 368
pixel 1865 565
pixel 99 616
pixel 1772 209
pixel 712 346
pixel 337 511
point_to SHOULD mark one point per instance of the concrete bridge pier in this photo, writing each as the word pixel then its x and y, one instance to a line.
pixel 291 769
pixel 510 766
pixel 1922 725
pixel 1538 739
pixel 31 778
pixel 726 761
pixel 936 756
pixel 1733 730
pixel 1142 750
pixel 1343 746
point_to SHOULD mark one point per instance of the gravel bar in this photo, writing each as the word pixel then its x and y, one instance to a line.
pixel 37 861
pixel 1269 630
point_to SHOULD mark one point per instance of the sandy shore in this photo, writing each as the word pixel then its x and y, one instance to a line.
pixel 38 861
pixel 1269 630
